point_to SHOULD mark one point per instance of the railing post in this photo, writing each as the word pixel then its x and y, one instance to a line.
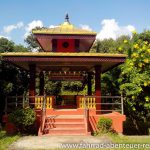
pixel 84 107
pixel 44 104
pixel 87 119
pixel 77 101
pixel 23 101
pixel 86 111
pixel 43 112
pixel 16 101
pixel 5 105
pixel 53 101
pixel 122 109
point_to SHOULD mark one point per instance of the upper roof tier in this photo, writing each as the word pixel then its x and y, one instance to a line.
pixel 51 39
pixel 64 28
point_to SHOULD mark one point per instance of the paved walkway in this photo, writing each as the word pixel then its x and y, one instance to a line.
pixel 53 142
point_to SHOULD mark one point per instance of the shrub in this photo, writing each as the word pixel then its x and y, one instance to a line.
pixel 104 124
pixel 23 118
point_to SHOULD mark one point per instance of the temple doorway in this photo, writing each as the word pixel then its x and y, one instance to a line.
pixel 65 102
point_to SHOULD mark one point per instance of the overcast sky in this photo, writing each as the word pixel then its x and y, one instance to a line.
pixel 109 18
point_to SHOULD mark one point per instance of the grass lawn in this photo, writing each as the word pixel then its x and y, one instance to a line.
pixel 122 139
pixel 6 140
pixel 130 139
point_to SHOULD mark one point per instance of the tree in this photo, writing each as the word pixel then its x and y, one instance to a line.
pixel 105 46
pixel 131 79
pixel 32 42
pixel 144 36
pixel 73 86
pixel 11 78
pixel 135 84
pixel 13 81
pixel 20 48
pixel 6 45
pixel 135 80
pixel 110 45
pixel 109 80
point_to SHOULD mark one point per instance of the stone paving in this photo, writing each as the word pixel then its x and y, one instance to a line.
pixel 54 142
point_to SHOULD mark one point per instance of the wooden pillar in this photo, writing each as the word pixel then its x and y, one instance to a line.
pixel 98 87
pixel 89 92
pixel 32 72
pixel 41 83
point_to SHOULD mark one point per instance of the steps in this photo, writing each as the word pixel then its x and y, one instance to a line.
pixel 59 112
pixel 65 125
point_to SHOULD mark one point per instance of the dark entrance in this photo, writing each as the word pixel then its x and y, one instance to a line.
pixel 66 102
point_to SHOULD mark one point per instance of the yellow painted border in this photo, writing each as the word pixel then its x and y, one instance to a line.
pixel 32 54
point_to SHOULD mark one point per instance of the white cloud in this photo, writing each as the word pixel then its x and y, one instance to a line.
pixel 111 29
pixel 35 50
pixel 52 26
pixel 85 27
pixel 1 36
pixel 10 28
pixel 32 25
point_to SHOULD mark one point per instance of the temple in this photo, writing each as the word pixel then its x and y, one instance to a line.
pixel 65 56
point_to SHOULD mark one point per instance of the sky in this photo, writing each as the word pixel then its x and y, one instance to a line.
pixel 109 18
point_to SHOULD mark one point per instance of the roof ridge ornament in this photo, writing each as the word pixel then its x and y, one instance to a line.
pixel 67 18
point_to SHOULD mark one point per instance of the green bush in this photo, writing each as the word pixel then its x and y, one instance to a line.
pixel 24 119
pixel 104 124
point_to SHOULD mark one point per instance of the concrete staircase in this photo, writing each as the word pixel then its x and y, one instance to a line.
pixel 65 125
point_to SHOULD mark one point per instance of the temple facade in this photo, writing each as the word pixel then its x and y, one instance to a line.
pixel 65 56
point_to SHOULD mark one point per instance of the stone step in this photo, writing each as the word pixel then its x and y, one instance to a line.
pixel 65 125
pixel 67 134
pixel 60 131
pixel 65 112
pixel 64 118
pixel 65 129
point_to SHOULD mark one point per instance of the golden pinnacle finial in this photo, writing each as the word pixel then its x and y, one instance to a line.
pixel 67 18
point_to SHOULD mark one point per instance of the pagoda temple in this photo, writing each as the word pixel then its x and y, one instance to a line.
pixel 65 56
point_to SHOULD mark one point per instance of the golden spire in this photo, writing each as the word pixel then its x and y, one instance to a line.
pixel 67 18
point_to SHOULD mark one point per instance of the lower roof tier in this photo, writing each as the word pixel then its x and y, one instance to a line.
pixel 60 61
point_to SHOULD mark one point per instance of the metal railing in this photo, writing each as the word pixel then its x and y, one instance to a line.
pixel 102 104
pixel 107 104
pixel 12 102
